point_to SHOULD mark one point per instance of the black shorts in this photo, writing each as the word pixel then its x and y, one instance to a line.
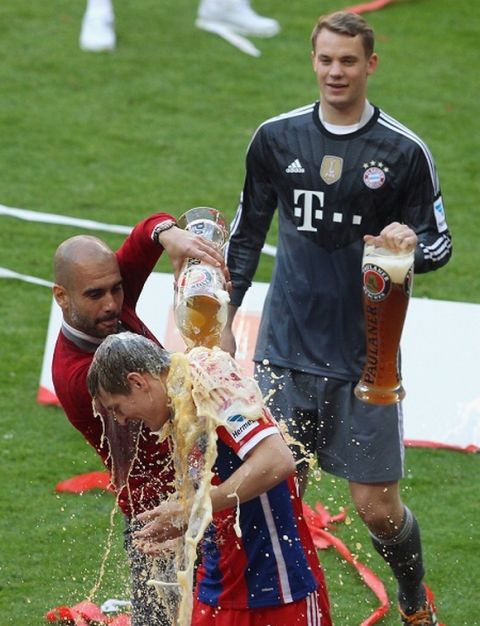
pixel 351 439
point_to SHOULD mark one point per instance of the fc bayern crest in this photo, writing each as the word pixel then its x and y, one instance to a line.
pixel 376 282
pixel 374 175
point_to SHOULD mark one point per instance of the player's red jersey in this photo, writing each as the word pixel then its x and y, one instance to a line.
pixel 274 561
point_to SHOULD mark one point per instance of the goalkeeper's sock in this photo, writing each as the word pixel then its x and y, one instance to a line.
pixel 403 552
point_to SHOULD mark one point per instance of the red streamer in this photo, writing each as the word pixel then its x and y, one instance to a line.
pixel 369 6
pixel 85 614
pixel 420 443
pixel 319 523
pixel 85 482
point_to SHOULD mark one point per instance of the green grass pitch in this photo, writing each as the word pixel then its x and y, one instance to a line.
pixel 162 124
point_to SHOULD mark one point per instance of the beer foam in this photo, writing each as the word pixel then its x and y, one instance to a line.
pixel 395 265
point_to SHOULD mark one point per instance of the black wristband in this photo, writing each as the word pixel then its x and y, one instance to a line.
pixel 161 228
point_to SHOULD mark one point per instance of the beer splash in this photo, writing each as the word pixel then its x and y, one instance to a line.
pixel 206 389
pixel 123 443
pixel 299 450
pixel 106 553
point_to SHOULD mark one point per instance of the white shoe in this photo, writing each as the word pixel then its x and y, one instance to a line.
pixel 98 32
pixel 236 15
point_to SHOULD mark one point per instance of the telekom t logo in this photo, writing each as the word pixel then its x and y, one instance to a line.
pixel 312 209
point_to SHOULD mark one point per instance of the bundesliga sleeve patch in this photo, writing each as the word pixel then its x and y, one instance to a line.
pixel 439 213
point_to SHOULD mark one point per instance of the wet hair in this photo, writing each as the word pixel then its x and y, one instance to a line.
pixel 346 23
pixel 119 355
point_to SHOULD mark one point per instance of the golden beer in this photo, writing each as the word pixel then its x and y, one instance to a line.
pixel 202 326
pixel 387 283
pixel 200 311
pixel 201 300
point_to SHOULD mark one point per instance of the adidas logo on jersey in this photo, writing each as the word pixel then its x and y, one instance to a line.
pixel 295 167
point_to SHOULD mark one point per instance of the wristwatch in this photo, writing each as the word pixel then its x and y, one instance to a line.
pixel 161 228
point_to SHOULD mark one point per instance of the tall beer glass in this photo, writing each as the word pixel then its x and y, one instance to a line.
pixel 201 300
pixel 387 284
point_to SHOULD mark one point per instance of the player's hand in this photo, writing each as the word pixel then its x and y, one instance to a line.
pixel 166 521
pixel 395 236
pixel 228 342
pixel 181 244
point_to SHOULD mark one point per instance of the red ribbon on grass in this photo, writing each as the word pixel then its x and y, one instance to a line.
pixel 85 482
pixel 320 522
pixel 85 614
pixel 369 6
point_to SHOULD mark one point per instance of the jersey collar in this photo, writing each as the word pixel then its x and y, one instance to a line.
pixel 81 340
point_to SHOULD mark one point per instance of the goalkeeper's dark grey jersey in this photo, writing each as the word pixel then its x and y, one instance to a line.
pixel 329 190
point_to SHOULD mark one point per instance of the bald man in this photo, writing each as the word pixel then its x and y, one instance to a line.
pixel 98 291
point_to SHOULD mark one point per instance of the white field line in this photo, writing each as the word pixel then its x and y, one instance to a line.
pixel 64 220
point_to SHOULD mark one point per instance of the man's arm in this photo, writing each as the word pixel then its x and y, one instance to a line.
pixel 142 248
pixel 181 244
pixel 424 227
pixel 424 212
pixel 266 465
pixel 227 340
pixel 250 226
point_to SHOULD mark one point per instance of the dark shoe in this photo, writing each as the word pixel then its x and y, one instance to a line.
pixel 426 616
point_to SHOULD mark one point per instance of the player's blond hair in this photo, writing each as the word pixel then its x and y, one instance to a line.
pixel 346 23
